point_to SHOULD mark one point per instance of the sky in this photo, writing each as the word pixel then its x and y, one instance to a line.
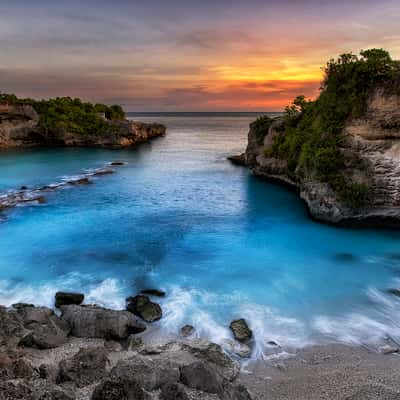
pixel 175 55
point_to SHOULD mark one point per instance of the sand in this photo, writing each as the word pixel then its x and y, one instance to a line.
pixel 327 372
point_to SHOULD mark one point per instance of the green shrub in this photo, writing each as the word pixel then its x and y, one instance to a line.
pixel 74 115
pixel 261 126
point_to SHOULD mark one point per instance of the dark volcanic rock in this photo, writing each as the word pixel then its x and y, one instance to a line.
pixel 144 308
pixel 118 389
pixel 394 292
pixel 68 298
pixel 238 159
pixel 153 292
pixel 241 331
pixel 98 322
pixel 187 330
pixel 47 330
pixel 84 368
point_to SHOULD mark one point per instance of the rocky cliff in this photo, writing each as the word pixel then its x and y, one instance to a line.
pixel 370 146
pixel 20 127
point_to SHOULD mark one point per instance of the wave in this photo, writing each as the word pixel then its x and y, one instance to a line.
pixel 275 335
pixel 35 196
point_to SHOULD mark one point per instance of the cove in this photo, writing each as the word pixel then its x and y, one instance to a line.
pixel 222 243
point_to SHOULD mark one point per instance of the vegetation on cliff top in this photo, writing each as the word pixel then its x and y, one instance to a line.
pixel 314 129
pixel 72 115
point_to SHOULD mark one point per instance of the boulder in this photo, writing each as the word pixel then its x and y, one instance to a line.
pixel 118 389
pixel 84 368
pixel 12 329
pixel 186 352
pixel 153 292
pixel 46 330
pixel 187 330
pixel 151 374
pixel 144 308
pixel 241 330
pixel 174 391
pixel 117 163
pixel 204 377
pixel 68 298
pixel 98 322
pixel 201 376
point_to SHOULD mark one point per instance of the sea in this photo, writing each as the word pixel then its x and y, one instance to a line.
pixel 222 243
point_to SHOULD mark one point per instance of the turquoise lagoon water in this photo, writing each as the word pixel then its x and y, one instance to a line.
pixel 222 243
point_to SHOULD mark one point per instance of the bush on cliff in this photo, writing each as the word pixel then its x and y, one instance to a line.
pixel 313 129
pixel 74 115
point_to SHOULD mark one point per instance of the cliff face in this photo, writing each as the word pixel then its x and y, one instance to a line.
pixel 19 127
pixel 371 147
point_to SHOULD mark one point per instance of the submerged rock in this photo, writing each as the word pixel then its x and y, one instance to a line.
pixel 241 331
pixel 144 308
pixel 67 298
pixel 80 181
pixel 98 322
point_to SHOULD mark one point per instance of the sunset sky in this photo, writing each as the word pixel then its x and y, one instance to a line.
pixel 172 55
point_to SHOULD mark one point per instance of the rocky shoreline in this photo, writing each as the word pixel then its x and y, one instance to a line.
pixel 20 128
pixel 90 352
pixel 358 183
pixel 36 196
pixel 87 352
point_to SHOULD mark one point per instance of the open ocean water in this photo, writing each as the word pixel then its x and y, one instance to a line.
pixel 222 243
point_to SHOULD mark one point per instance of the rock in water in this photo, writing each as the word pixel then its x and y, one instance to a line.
pixel 153 292
pixel 68 298
pixel 99 322
pixel 238 159
pixel 241 331
pixel 187 330
pixel 144 308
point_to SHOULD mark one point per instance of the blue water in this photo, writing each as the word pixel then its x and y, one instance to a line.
pixel 222 243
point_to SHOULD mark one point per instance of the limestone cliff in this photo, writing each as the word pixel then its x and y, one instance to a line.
pixel 19 128
pixel 371 147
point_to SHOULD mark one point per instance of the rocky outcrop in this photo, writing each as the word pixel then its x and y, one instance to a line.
pixel 371 146
pixel 20 128
pixel 36 196
pixel 98 322
pixel 94 360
